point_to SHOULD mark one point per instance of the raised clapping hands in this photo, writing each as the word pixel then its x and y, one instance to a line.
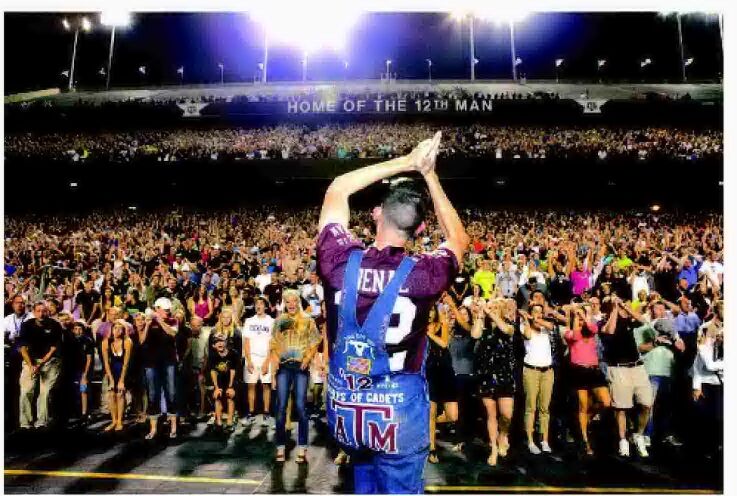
pixel 422 158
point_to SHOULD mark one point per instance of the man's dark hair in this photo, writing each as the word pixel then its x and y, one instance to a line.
pixel 404 206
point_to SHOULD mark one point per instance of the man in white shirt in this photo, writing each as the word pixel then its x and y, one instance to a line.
pixel 14 321
pixel 256 341
pixel 713 269
pixel 313 293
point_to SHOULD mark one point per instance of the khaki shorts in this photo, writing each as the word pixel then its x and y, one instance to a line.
pixel 627 383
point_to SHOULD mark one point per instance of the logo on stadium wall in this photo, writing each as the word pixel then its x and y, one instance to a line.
pixel 192 109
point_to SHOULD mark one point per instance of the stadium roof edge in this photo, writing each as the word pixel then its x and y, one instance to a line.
pixel 572 90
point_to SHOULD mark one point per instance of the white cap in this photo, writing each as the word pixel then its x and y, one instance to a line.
pixel 164 303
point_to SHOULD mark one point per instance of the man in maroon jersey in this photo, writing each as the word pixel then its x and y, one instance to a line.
pixel 386 467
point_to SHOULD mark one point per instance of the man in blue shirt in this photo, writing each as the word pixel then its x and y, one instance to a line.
pixel 686 322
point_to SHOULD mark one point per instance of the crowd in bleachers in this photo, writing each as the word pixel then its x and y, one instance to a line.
pixel 366 140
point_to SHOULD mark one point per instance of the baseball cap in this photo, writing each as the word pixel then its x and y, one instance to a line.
pixel 163 303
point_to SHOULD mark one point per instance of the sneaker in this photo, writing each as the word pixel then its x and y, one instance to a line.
pixel 639 441
pixel 648 443
pixel 545 447
pixel 673 441
pixel 624 448
pixel 533 449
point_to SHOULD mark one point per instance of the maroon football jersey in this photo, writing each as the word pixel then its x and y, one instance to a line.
pixel 432 274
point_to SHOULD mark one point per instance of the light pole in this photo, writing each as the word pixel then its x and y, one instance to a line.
pixel 86 26
pixel 266 58
pixel 113 20
pixel 680 46
pixel 304 67
pixel 514 52
pixel 558 63
pixel 222 79
pixel 388 64
pixel 345 71
pixel 472 44
pixel 429 70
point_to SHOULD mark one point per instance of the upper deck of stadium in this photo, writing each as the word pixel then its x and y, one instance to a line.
pixel 285 90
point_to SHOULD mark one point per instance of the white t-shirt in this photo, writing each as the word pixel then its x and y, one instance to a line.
pixel 714 268
pixel 538 352
pixel 12 324
pixel 258 331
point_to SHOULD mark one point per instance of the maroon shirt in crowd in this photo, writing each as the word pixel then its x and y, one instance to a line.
pixel 432 274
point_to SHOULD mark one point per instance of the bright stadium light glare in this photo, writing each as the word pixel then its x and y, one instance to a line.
pixel 65 23
pixel 86 25
pixel 304 25
pixel 119 19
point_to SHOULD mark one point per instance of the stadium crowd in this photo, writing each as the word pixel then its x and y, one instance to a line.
pixel 365 140
pixel 598 324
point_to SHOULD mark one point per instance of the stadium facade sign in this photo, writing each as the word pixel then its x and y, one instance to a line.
pixel 388 106
pixel 591 106
pixel 192 109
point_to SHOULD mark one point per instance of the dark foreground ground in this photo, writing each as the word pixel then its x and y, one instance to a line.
pixel 89 461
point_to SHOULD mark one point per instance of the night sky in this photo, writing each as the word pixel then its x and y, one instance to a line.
pixel 38 49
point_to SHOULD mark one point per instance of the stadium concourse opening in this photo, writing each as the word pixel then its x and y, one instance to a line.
pixel 158 231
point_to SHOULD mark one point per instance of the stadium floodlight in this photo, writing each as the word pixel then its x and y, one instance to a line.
pixel 114 19
pixel 221 66
pixel 688 62
pixel 85 25
pixel 655 207
pixel 645 63
pixel 558 63
pixel 303 24
pixel 429 70
pixel 459 16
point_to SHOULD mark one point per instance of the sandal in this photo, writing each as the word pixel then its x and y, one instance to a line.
pixel 301 457
pixel 119 427
pixel 280 457
pixel 150 436
pixel 173 435
pixel 503 449
pixel 109 427
pixel 433 457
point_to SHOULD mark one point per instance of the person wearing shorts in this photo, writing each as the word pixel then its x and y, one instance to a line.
pixel 626 374
pixel 585 375
pixel 222 365
pixel 256 342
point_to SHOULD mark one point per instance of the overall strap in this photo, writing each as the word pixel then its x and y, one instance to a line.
pixel 378 317
pixel 349 298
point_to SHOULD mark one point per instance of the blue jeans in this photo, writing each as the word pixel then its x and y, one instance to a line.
pixel 287 375
pixel 161 378
pixel 660 424
pixel 389 474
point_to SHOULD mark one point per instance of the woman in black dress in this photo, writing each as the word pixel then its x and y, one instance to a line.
pixel 494 369
pixel 439 369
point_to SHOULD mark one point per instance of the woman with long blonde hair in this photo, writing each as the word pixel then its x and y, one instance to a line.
pixel 293 345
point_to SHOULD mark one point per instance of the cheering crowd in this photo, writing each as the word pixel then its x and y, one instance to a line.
pixel 601 328
pixel 366 140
